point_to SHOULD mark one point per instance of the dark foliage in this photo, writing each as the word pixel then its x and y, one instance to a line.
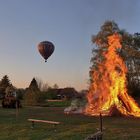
pixel 4 83
pixel 130 53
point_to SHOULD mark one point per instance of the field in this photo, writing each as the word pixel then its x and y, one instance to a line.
pixel 73 127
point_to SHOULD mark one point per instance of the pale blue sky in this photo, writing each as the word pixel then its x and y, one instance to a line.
pixel 69 24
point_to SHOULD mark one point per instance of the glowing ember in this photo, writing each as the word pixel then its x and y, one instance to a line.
pixel 108 93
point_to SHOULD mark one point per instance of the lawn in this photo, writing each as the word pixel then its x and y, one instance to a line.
pixel 73 127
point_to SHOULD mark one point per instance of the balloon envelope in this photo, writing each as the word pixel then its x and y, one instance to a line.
pixel 46 49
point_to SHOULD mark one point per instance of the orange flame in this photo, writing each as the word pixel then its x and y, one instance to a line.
pixel 108 92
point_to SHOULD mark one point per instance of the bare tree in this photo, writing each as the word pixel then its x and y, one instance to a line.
pixel 41 85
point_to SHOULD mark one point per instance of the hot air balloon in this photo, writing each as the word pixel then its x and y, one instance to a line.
pixel 46 49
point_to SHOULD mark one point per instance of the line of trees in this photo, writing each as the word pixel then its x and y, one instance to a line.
pixel 130 53
pixel 35 94
pixel 38 92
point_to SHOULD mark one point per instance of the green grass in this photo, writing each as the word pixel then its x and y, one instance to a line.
pixel 73 127
pixel 58 103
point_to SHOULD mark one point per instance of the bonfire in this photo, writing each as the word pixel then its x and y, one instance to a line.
pixel 108 93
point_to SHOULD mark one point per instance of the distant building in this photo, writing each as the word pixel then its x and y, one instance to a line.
pixel 65 93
